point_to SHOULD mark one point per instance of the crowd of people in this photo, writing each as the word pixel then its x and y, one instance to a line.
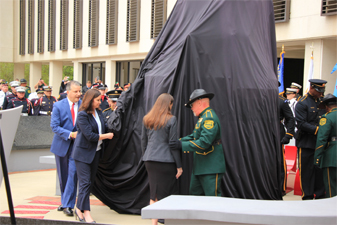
pixel 311 120
pixel 79 121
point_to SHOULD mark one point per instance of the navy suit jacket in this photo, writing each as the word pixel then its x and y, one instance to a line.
pixel 62 124
pixel 85 145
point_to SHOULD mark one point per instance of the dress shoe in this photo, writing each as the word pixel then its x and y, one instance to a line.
pixel 68 211
pixel 79 218
pixel 60 208
pixel 162 221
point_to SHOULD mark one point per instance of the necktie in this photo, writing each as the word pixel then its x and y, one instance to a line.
pixel 102 98
pixel 73 113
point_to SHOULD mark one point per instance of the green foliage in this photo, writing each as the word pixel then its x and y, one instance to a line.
pixel 68 71
pixel 7 71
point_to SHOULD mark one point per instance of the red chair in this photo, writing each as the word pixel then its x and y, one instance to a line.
pixel 297 185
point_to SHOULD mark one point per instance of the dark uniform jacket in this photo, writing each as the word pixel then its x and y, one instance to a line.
pixel 287 115
pixel 326 145
pixel 106 113
pixel 307 115
pixel 298 97
pixel 62 95
pixel 44 106
pixel 25 102
pixel 205 142
pixel 8 98
pixel 104 104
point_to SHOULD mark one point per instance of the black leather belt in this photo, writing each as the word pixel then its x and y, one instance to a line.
pixel 216 142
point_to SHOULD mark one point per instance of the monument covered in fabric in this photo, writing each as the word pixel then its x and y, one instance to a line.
pixel 225 47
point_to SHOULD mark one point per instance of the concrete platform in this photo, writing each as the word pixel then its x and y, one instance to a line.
pixel 215 210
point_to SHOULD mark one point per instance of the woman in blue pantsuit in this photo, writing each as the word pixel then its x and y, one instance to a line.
pixel 87 149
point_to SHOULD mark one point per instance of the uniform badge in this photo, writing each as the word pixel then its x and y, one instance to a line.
pixel 322 121
pixel 209 124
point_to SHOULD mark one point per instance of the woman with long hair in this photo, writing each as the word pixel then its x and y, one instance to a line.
pixel 87 150
pixel 163 164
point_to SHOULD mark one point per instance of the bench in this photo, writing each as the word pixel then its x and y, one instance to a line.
pixel 180 209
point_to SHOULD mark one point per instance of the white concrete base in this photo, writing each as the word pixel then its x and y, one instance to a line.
pixel 50 159
pixel 181 209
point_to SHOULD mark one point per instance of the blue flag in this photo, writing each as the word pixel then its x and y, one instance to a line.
pixel 334 68
pixel 280 74
pixel 335 91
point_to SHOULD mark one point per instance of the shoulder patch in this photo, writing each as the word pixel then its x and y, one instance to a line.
pixel 322 122
pixel 209 124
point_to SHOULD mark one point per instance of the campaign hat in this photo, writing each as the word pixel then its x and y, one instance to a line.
pixel 329 99
pixel 23 81
pixel 198 94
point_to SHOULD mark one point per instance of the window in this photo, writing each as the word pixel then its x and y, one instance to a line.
pixel 22 27
pixel 64 25
pixel 31 26
pixel 51 25
pixel 93 22
pixel 132 20
pixel 158 16
pixel 111 21
pixel 78 19
pixel 329 7
pixel 281 10
pixel 40 26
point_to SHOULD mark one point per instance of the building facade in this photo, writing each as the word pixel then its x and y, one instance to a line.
pixel 110 38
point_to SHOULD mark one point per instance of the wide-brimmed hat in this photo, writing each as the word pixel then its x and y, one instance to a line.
pixel 198 94
pixel 329 99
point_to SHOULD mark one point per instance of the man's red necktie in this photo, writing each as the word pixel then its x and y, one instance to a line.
pixel 73 113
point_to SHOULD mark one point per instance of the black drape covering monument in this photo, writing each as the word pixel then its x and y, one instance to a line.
pixel 227 48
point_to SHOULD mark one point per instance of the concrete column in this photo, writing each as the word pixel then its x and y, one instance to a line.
pixel 19 71
pixel 315 47
pixel 110 73
pixel 329 59
pixel 35 73
pixel 55 75
pixel 78 72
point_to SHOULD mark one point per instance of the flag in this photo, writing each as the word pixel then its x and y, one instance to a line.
pixel 311 72
pixel 335 91
pixel 280 70
pixel 334 68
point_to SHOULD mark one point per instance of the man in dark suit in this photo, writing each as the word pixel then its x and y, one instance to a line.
pixel 63 125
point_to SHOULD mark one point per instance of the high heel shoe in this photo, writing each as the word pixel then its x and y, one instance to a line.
pixel 76 216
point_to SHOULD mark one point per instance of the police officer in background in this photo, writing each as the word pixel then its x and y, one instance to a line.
pixel 23 83
pixel 44 106
pixel 104 104
pixel 39 94
pixel 14 85
pixel 291 97
pixel 287 127
pixel 21 100
pixel 112 100
pixel 298 88
pixel 307 116
pixel 326 145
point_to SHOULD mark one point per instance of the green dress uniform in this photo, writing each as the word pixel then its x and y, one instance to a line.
pixel 209 161
pixel 326 151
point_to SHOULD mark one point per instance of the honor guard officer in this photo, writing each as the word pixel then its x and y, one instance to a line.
pixel 298 88
pixel 291 97
pixel 104 104
pixel 127 86
pixel 39 94
pixel 14 85
pixel 307 118
pixel 23 83
pixel 112 100
pixel 21 100
pixel 205 142
pixel 326 146
pixel 44 106
pixel 287 127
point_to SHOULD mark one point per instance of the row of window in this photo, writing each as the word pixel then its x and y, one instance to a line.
pixel 158 18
